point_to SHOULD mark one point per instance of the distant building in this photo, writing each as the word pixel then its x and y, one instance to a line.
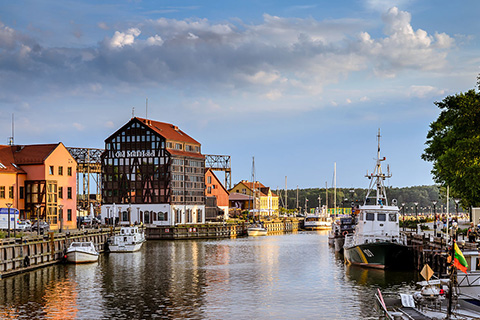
pixel 266 203
pixel 40 181
pixel 215 189
pixel 154 173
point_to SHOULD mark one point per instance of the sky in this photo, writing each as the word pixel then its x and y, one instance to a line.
pixel 300 86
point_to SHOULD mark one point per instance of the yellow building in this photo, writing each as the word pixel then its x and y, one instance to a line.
pixel 266 201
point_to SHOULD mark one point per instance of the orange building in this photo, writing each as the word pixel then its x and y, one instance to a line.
pixel 40 181
pixel 214 188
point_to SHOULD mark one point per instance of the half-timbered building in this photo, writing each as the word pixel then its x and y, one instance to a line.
pixel 152 173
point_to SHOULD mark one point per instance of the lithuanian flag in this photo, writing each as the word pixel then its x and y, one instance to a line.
pixel 458 259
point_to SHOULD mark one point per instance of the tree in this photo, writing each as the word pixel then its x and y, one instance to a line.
pixel 453 145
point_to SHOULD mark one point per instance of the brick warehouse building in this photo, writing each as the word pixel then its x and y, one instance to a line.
pixel 152 172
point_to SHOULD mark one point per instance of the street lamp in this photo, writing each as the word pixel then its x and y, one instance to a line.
pixel 38 218
pixel 434 202
pixel 456 207
pixel 9 205
pixel 61 217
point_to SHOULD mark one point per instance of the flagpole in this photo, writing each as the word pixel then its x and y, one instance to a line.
pixel 450 283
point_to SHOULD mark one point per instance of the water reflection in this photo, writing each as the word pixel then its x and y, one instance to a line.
pixel 276 277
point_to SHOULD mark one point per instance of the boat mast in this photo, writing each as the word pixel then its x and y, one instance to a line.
pixel 335 188
pixel 326 196
pixel 286 198
pixel 377 178
pixel 253 188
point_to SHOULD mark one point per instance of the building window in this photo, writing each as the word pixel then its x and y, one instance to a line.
pixel 51 170
pixel 69 193
pixel 22 192
pixel 60 192
pixel 60 171
pixel 178 146
pixel 69 214
pixel 69 171
pixel 2 192
pixel 209 179
pixel 209 190
pixel 10 192
pixel 199 215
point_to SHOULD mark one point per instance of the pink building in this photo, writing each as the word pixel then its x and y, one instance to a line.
pixel 40 181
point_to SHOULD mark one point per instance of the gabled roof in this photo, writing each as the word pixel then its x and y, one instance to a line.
pixel 32 154
pixel 258 186
pixel 168 131
pixel 7 161
pixel 239 197
pixel 215 176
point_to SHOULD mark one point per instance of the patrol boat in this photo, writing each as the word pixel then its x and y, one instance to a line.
pixel 377 241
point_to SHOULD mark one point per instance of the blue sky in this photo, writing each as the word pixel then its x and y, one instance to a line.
pixel 297 85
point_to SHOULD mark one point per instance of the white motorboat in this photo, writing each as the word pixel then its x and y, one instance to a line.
pixel 82 252
pixel 318 221
pixel 129 239
pixel 257 230
pixel 377 241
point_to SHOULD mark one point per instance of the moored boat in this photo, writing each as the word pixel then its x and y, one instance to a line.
pixel 255 230
pixel 377 241
pixel 82 252
pixel 130 239
pixel 340 228
pixel 318 221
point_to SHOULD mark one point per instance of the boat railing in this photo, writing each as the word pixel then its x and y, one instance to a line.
pixel 352 239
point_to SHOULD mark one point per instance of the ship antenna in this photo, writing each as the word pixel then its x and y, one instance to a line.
pixel 146 109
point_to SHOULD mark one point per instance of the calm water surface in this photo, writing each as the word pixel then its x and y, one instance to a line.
pixel 293 276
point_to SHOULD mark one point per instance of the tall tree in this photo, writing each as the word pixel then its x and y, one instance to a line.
pixel 453 145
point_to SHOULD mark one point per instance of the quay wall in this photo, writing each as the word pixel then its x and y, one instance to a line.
pixel 216 230
pixel 32 252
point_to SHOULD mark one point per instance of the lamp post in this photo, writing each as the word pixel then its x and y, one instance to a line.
pixel 434 202
pixel 9 205
pixel 38 218
pixel 61 217
pixel 456 208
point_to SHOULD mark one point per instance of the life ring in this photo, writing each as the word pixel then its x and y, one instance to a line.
pixel 344 233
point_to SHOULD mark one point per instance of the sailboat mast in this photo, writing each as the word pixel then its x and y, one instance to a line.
pixel 326 196
pixel 335 187
pixel 286 195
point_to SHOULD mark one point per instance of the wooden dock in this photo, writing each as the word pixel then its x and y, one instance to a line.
pixel 36 251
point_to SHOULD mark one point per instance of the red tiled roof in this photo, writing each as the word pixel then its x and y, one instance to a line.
pixel 32 154
pixel 7 160
pixel 235 196
pixel 168 131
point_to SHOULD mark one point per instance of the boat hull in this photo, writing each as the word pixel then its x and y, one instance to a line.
pixel 130 247
pixel 339 242
pixel 255 232
pixel 81 257
pixel 379 255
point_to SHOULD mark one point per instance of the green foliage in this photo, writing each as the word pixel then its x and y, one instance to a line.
pixel 453 145
pixel 406 198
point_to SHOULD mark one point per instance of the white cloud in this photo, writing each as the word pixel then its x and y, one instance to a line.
pixel 121 39
pixel 156 40
pixel 424 91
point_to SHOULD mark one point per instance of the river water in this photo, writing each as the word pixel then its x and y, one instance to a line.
pixel 292 276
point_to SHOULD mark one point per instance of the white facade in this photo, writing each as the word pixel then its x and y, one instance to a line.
pixel 152 214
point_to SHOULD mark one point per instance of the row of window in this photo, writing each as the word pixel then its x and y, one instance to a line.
pixel 51 170
pixel 21 192
pixel 370 216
